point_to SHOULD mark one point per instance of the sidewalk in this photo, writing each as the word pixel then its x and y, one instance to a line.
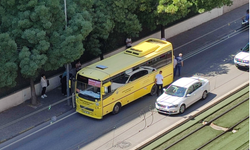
pixel 9 127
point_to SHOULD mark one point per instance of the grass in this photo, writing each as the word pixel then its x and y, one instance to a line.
pixel 232 141
pixel 217 113
pixel 234 116
pixel 198 139
pixel 176 138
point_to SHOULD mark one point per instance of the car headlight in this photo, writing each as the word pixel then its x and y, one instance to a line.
pixel 172 106
pixel 97 104
pixel 245 61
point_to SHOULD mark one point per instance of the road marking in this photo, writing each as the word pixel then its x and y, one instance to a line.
pixel 37 131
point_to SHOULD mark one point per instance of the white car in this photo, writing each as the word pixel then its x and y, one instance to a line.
pixel 242 58
pixel 181 94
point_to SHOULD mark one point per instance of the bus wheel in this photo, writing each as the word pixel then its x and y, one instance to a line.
pixel 116 108
pixel 153 90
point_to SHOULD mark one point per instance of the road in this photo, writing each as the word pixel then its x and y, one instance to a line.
pixel 139 121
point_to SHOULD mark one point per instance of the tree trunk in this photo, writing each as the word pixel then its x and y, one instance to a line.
pixel 162 31
pixel 33 92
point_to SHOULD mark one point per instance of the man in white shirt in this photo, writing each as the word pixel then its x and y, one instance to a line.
pixel 159 82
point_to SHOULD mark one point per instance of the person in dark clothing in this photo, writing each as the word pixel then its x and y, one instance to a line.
pixel 178 65
pixel 64 83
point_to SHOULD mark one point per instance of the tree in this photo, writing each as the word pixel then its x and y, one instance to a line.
pixel 162 12
pixel 38 27
pixel 111 16
pixel 207 5
pixel 8 61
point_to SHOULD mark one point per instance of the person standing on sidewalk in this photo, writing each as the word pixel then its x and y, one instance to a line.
pixel 159 82
pixel 128 43
pixel 44 85
pixel 178 65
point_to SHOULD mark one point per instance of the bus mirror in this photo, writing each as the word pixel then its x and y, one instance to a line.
pixel 103 90
pixel 107 84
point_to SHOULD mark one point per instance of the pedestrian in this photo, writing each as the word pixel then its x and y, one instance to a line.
pixel 44 85
pixel 178 65
pixel 128 43
pixel 64 84
pixel 159 82
pixel 78 65
pixel 175 62
pixel 245 18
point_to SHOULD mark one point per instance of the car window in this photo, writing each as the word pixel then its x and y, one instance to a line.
pixel 197 85
pixel 190 90
pixel 175 91
pixel 137 75
pixel 246 48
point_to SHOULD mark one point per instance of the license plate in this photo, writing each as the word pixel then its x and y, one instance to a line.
pixel 86 112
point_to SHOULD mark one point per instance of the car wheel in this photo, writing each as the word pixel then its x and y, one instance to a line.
pixel 182 109
pixel 204 95
pixel 116 108
pixel 153 90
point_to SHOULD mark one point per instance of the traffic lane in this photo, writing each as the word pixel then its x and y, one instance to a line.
pixel 220 26
pixel 215 64
pixel 80 130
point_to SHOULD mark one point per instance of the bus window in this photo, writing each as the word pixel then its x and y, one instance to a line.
pixel 137 75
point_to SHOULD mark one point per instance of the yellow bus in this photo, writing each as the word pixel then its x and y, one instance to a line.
pixel 109 84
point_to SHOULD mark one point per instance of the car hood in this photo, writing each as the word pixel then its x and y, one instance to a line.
pixel 167 100
pixel 242 55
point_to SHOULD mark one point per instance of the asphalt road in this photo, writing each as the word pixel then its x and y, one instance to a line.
pixel 139 121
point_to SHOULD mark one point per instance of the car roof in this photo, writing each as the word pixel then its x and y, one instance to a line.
pixel 185 82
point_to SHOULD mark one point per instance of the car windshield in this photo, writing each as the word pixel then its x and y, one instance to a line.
pixel 246 48
pixel 174 90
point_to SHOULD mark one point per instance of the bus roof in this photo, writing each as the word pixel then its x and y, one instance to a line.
pixel 125 60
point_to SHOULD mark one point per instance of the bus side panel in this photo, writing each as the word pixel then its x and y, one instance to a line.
pixel 167 73
pixel 144 85
pixel 121 95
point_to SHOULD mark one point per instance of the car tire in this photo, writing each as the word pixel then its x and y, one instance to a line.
pixel 204 95
pixel 153 90
pixel 116 108
pixel 182 109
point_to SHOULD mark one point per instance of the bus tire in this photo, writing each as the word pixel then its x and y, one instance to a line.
pixel 153 90
pixel 116 108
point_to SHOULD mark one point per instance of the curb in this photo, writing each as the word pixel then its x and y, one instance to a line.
pixel 190 117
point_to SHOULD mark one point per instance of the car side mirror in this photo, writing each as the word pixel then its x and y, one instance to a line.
pixel 188 95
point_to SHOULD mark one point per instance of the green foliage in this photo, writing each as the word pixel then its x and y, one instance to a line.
pixel 38 27
pixel 206 5
pixel 8 61
pixel 162 12
pixel 47 42
pixel 111 16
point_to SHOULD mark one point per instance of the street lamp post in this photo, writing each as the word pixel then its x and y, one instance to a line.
pixel 67 65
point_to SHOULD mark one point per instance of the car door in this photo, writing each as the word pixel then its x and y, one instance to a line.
pixel 197 91
pixel 189 96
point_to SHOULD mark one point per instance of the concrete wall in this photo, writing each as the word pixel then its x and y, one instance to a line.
pixel 25 94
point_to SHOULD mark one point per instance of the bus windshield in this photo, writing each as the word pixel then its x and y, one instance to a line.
pixel 88 89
